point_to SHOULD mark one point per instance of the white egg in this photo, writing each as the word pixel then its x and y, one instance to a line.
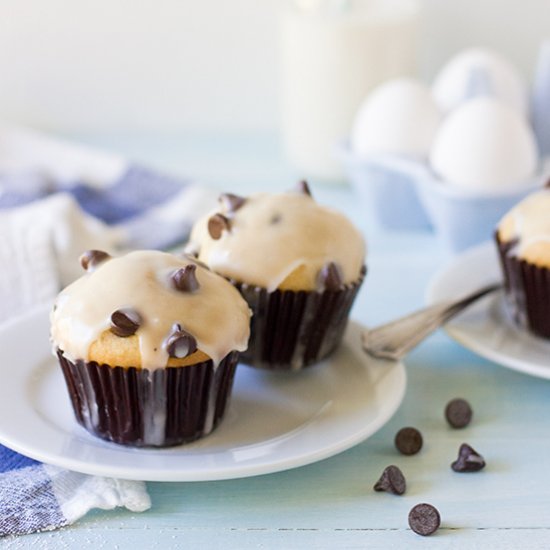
pixel 454 81
pixel 484 145
pixel 399 116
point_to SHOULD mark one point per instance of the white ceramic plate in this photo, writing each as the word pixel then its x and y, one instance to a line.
pixel 486 327
pixel 275 421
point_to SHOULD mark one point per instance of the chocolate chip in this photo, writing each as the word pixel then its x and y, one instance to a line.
pixel 408 441
pixel 424 519
pixel 458 413
pixel 275 219
pixel 185 279
pixel 330 277
pixel 303 187
pixel 216 225
pixel 125 322
pixel 468 460
pixel 90 259
pixel 231 202
pixel 195 260
pixel 180 343
pixel 547 184
pixel 392 480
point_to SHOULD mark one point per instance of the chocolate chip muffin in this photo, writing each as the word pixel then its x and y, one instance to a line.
pixel 523 241
pixel 148 344
pixel 298 264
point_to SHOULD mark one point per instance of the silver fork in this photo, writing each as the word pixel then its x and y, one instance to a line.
pixel 395 339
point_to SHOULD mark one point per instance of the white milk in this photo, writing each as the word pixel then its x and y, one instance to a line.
pixel 333 53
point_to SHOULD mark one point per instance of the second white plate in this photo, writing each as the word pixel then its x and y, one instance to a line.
pixel 486 327
pixel 275 421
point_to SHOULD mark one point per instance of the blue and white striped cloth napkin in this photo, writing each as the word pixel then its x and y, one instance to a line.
pixel 37 497
pixel 56 200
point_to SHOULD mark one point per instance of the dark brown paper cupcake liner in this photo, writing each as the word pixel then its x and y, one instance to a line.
pixel 290 330
pixel 527 289
pixel 149 408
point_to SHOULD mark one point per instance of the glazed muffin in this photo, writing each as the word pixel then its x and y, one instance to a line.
pixel 148 344
pixel 298 264
pixel 523 240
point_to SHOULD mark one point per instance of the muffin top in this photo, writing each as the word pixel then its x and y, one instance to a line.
pixel 148 309
pixel 526 227
pixel 281 241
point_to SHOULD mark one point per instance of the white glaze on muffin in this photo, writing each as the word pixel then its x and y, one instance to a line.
pixel 214 314
pixel 527 227
pixel 279 241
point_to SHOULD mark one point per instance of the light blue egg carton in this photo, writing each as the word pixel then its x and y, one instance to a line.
pixel 461 219
pixel 405 194
pixel 387 185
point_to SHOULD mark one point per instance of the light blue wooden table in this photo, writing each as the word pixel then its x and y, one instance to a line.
pixel 331 504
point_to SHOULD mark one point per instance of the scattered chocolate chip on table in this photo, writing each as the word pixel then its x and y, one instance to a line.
pixel 458 413
pixel 469 460
pixel 424 519
pixel 408 441
pixel 392 481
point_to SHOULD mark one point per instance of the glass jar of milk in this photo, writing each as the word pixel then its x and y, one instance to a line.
pixel 333 53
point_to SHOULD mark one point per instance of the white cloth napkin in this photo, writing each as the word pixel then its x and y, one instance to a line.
pixel 39 248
